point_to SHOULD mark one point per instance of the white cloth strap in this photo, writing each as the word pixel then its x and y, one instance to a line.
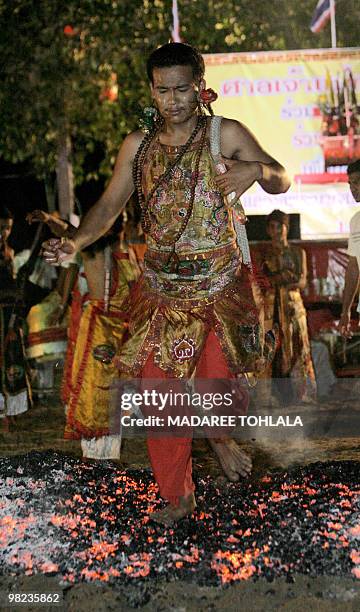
pixel 215 149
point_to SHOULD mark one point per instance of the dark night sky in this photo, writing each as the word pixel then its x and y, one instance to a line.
pixel 21 192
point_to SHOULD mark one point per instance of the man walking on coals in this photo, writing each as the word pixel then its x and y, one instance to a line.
pixel 193 291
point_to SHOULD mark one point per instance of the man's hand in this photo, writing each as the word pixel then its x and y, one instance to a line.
pixel 57 250
pixel 239 176
pixel 344 324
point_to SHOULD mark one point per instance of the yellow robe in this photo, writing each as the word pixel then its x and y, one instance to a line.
pixel 98 341
pixel 284 306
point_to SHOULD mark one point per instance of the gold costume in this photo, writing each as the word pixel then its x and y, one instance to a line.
pixel 284 306
pixel 197 286
pixel 98 341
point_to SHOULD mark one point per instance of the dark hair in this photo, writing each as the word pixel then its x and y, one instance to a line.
pixel 176 54
pixel 279 216
pixel 354 167
pixel 5 213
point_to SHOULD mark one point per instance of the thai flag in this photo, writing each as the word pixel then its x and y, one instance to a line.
pixel 321 15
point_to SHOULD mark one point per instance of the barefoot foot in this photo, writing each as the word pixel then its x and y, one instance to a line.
pixel 171 514
pixel 232 459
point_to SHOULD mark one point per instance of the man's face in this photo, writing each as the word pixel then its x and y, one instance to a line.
pixel 276 230
pixel 175 93
pixel 354 184
pixel 5 229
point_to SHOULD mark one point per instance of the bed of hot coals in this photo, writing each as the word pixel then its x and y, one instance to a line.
pixel 79 521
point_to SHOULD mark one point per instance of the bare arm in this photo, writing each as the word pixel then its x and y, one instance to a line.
pixel 66 282
pixel 248 162
pixel 301 284
pixel 64 286
pixel 288 278
pixel 303 278
pixel 352 277
pixel 102 215
pixel 59 227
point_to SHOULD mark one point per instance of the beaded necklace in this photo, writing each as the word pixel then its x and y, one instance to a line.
pixel 137 175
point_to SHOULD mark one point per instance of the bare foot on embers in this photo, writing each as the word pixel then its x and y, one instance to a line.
pixel 171 514
pixel 232 459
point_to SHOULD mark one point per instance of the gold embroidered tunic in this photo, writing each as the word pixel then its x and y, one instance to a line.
pixel 195 286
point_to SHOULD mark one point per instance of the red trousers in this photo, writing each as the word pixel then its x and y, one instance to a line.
pixel 170 457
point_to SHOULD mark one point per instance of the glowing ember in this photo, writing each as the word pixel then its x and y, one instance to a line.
pixel 355 531
pixel 90 522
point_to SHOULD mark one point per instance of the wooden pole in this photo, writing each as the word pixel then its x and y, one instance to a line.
pixel 64 176
pixel 333 24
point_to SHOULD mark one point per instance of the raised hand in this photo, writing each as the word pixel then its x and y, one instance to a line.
pixel 59 227
pixel 37 216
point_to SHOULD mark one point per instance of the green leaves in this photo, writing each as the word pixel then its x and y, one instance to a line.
pixel 58 60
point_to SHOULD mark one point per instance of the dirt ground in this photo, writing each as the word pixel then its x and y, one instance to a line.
pixel 316 594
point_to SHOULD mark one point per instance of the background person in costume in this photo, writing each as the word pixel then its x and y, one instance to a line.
pixel 192 291
pixel 285 267
pixel 352 275
pixel 14 383
pixel 49 338
pixel 110 268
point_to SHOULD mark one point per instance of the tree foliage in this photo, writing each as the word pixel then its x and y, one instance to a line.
pixel 78 67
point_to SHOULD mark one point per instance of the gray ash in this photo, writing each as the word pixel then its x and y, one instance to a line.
pixel 78 521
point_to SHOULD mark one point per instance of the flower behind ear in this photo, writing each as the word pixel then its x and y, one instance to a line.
pixel 207 96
